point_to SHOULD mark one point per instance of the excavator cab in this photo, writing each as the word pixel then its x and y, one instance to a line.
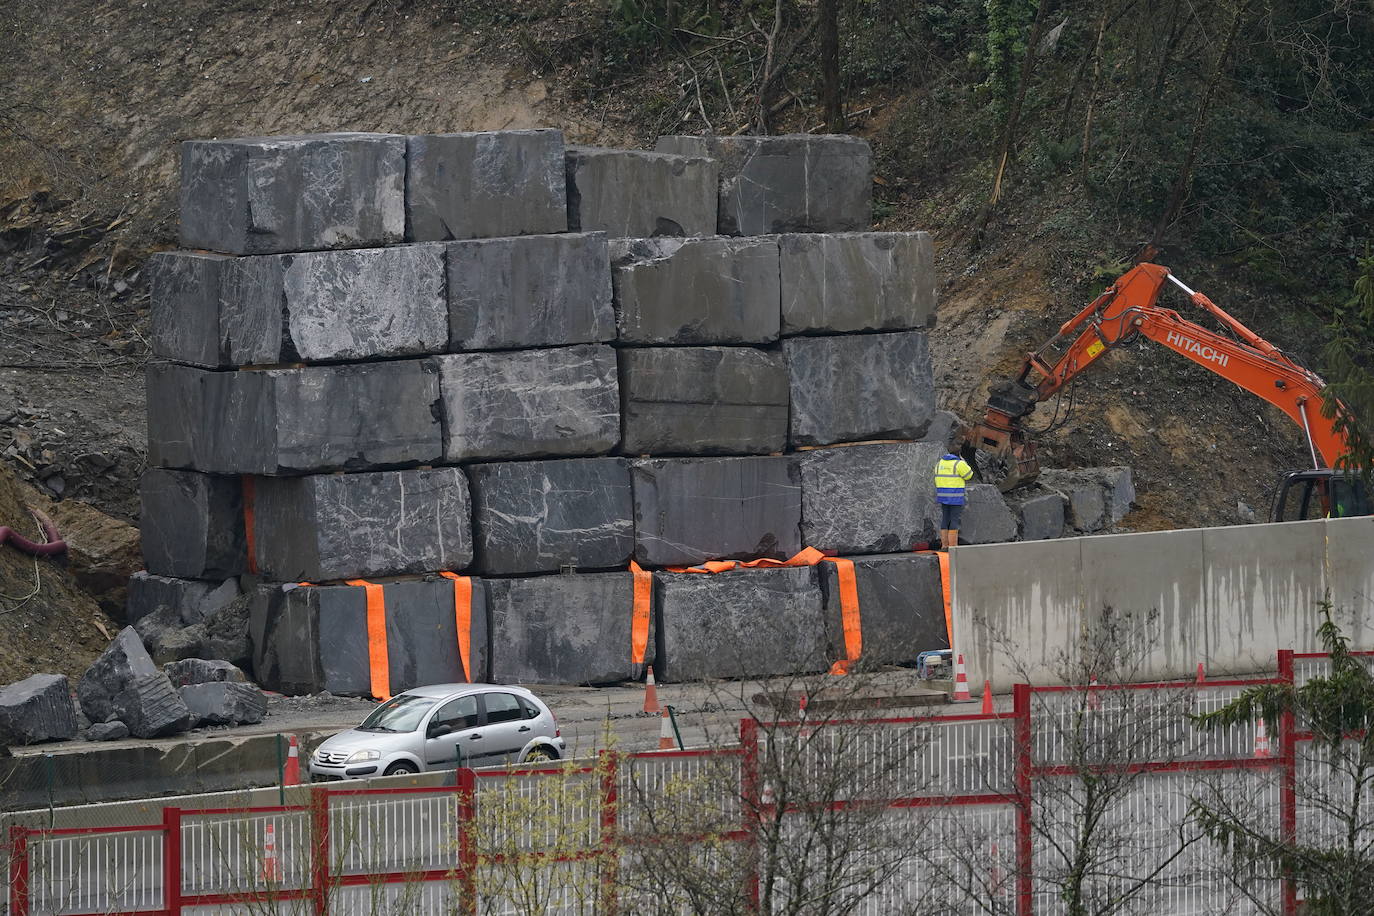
pixel 1321 493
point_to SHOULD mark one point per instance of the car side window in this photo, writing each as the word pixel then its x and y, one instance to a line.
pixel 502 707
pixel 531 711
pixel 459 714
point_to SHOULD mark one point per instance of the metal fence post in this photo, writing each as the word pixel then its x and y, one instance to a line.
pixel 19 871
pixel 1288 790
pixel 171 861
pixel 1021 699
pixel 467 849
pixel 319 849
pixel 608 764
pixel 750 795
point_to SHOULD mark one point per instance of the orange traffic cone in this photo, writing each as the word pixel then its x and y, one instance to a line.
pixel 961 694
pixel 1201 675
pixel 271 866
pixel 1261 738
pixel 801 711
pixel 651 693
pixel 987 698
pixel 291 773
pixel 767 797
pixel 1094 701
pixel 665 732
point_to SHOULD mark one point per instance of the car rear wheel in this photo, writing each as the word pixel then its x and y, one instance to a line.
pixel 540 753
pixel 401 768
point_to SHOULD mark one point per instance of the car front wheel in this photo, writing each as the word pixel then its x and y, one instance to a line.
pixel 401 768
pixel 540 753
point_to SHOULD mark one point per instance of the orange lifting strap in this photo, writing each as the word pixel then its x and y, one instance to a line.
pixel 462 619
pixel 249 494
pixel 379 665
pixel 849 615
pixel 809 556
pixel 639 622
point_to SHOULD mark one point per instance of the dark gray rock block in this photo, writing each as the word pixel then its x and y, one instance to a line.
pixel 696 291
pixel 38 708
pixel 530 403
pixel 788 183
pixel 346 526
pixel 123 683
pixel 312 638
pixel 901 607
pixel 224 632
pixel 534 291
pixel 942 428
pixel 1097 498
pixel 359 416
pixel 1041 513
pixel 864 386
pixel 107 731
pixel 637 194
pixel 745 623
pixel 877 498
pixel 260 195
pixel 202 671
pixel 538 516
pixel 703 401
pixel 191 525
pixel 151 627
pixel 562 629
pixel 986 519
pixel 692 509
pixel 224 703
pixel 859 281
pixel 308 307
pixel 191 600
pixel 485 184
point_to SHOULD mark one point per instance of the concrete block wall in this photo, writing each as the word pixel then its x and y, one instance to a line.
pixel 497 355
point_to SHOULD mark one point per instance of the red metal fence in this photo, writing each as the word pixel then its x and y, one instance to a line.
pixel 982 810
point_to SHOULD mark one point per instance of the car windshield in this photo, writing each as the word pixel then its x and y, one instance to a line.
pixel 401 713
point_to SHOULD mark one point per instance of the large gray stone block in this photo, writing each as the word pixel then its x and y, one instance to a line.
pixel 347 526
pixel 260 195
pixel 202 671
pixel 224 703
pixel 692 509
pixel 862 386
pixel 124 684
pixel 38 708
pixel 637 194
pixel 191 524
pixel 859 281
pixel 1097 498
pixel 312 638
pixel 534 291
pixel 563 629
pixel 696 291
pixel 788 183
pixel 877 498
pixel 485 184
pixel 901 607
pixel 703 401
pixel 538 516
pixel 745 623
pixel 316 306
pixel 530 403
pixel 1041 513
pixel 192 599
pixel 987 518
pixel 318 418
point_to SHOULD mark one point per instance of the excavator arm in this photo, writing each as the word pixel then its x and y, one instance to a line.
pixel 1127 309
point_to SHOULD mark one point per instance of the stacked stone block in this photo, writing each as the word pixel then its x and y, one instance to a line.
pixel 490 371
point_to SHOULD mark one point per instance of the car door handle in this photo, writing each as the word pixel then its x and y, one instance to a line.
pixel 523 728
pixel 473 737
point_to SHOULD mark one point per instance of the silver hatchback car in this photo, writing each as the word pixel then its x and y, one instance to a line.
pixel 442 727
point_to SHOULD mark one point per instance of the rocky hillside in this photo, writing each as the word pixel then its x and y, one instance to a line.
pixel 88 166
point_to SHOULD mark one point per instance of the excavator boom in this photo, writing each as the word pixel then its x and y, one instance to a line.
pixel 1130 308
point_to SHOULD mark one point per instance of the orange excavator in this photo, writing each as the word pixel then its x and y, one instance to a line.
pixel 1129 309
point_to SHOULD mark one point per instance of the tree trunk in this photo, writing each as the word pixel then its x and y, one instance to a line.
pixel 1184 179
pixel 828 17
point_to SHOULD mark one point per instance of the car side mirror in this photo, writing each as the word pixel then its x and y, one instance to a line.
pixel 439 729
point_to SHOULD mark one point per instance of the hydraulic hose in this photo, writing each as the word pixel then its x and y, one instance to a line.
pixel 51 547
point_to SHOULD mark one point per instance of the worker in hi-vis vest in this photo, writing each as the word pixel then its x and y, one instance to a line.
pixel 952 474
